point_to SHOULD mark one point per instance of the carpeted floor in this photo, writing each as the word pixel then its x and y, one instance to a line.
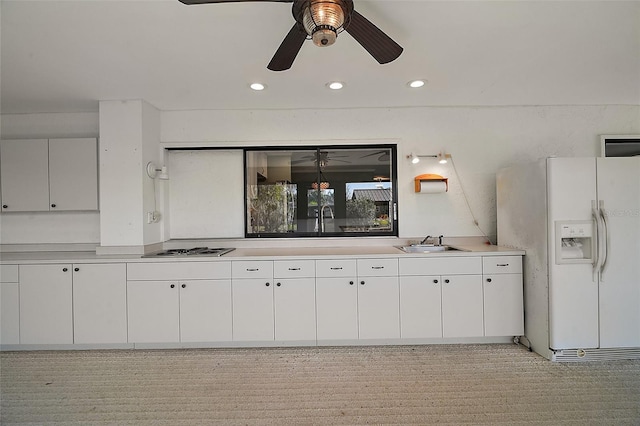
pixel 445 384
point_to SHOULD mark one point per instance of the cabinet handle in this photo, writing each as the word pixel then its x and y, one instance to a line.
pixel 435 281
pixel 4 206
pixel 278 284
pixel 76 269
pixel 361 282
pixel 502 264
pixel 377 267
pixel 267 284
pixel 339 268
pixel 446 281
pixel 253 269
pixel 350 282
pixel 488 280
pixel 184 286
pixel 64 269
pixel 173 286
pixel 294 269
pixel 53 205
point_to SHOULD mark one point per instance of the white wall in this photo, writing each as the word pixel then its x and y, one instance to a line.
pixel 481 140
pixel 50 227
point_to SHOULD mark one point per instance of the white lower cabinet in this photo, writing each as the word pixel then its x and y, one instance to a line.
pixel 503 296
pixel 421 307
pixel 99 303
pixel 179 311
pixel 378 308
pixel 153 311
pixel 462 307
pixel 173 302
pixel 295 309
pixel 46 310
pixel 441 297
pixel 253 309
pixel 205 311
pixel 337 308
pixel 252 290
pixel 362 306
pixel 9 305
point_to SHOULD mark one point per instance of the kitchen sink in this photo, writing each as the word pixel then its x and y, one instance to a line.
pixel 426 248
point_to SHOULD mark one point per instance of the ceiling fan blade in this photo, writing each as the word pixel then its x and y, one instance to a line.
pixel 228 1
pixel 288 50
pixel 377 43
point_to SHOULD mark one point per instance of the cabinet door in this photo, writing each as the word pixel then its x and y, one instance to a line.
pixel 337 308
pixel 295 309
pixel 205 311
pixel 462 311
pixel 46 312
pixel 24 168
pixel 153 311
pixel 252 309
pixel 99 303
pixel 9 314
pixel 420 307
pixel 73 174
pixel 378 308
pixel 503 311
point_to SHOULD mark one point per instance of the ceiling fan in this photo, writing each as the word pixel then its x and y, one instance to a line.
pixel 322 160
pixel 321 21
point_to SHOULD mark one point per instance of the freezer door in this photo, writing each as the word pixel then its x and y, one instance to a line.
pixel 619 197
pixel 573 288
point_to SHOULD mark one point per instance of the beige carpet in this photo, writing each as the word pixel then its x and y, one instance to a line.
pixel 449 384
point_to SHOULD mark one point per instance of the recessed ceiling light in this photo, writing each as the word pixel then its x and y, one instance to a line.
pixel 416 83
pixel 258 86
pixel 335 85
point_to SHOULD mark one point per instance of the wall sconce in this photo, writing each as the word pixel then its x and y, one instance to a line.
pixel 152 171
pixel 442 158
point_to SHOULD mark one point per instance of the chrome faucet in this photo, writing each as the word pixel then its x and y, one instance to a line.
pixel 428 237
pixel 424 241
pixel 322 216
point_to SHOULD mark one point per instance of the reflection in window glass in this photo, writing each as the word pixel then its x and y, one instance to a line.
pixel 321 191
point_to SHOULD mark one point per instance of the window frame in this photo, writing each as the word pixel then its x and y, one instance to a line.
pixel 393 214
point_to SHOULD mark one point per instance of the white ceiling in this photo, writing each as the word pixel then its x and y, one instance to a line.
pixel 65 56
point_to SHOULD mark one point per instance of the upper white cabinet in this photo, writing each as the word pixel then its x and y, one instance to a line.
pixel 49 174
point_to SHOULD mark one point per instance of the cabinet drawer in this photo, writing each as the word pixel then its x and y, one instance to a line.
pixel 252 269
pixel 178 271
pixel 377 267
pixel 502 265
pixel 294 269
pixel 335 268
pixel 441 266
pixel 9 273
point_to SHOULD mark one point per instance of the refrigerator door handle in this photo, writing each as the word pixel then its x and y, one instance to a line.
pixel 596 246
pixel 605 243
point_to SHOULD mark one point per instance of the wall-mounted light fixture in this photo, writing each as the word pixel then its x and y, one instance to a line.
pixel 442 157
pixel 152 171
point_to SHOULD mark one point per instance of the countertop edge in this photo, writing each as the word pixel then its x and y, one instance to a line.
pixel 9 258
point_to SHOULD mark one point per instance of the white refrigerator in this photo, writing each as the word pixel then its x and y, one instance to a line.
pixel 578 220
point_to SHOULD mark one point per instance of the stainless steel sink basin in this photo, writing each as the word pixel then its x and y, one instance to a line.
pixel 426 248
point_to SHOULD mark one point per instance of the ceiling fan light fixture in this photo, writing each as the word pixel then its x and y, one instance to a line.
pixel 323 19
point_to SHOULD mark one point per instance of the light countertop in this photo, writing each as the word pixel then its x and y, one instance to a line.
pixel 256 253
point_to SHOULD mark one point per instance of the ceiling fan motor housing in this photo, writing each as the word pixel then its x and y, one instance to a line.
pixel 324 19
